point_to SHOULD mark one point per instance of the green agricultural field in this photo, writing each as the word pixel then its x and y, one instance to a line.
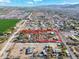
pixel 6 24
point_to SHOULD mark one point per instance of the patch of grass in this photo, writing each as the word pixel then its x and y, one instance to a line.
pixel 6 24
pixel 77 37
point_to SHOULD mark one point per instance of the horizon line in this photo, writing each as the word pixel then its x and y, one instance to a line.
pixel 37 5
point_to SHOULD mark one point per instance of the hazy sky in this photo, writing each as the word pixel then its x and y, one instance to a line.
pixel 35 2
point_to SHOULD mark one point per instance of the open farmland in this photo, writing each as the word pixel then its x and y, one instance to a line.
pixel 6 24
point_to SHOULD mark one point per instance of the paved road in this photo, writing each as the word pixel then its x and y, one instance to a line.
pixel 13 35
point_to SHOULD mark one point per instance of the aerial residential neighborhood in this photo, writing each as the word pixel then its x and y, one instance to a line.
pixel 39 29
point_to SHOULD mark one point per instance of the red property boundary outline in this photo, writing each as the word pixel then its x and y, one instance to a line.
pixel 38 31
